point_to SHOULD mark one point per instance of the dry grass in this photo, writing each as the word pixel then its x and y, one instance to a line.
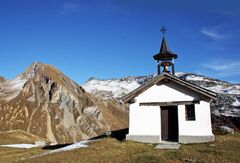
pixel 226 148
pixel 14 154
pixel 18 136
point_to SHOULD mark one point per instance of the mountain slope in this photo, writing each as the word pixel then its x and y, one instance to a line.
pixel 44 102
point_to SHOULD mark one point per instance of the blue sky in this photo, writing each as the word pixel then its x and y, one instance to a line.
pixel 117 38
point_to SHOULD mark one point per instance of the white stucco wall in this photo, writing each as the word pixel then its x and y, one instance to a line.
pixel 166 92
pixel 201 126
pixel 146 120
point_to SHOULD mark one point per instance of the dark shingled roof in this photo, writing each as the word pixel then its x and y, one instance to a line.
pixel 165 53
pixel 168 77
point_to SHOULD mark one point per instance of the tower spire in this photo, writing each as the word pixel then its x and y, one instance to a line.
pixel 164 47
pixel 165 56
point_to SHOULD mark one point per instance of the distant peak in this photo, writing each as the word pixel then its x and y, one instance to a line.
pixel 32 69
pixel 38 64
pixel 92 78
pixel 39 68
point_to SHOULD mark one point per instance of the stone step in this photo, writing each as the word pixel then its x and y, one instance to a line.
pixel 168 145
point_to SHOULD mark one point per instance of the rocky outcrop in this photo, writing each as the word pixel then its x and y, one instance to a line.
pixel 44 102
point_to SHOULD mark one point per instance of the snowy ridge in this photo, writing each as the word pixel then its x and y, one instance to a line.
pixel 115 88
pixel 118 87
pixel 227 104
pixel 224 89
pixel 211 84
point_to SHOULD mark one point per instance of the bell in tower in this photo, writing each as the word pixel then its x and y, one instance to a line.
pixel 165 57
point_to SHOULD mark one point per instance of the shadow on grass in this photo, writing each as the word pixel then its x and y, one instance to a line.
pixel 57 146
pixel 117 134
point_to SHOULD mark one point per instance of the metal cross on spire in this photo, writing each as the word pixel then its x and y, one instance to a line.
pixel 163 30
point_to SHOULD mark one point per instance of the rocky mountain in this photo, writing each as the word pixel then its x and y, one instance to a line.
pixel 2 79
pixel 45 102
pixel 225 110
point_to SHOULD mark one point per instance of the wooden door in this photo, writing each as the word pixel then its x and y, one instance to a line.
pixel 169 123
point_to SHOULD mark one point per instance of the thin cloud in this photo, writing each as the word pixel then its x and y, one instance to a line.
pixel 212 33
pixel 223 68
pixel 228 13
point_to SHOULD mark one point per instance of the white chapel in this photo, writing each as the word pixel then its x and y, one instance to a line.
pixel 168 108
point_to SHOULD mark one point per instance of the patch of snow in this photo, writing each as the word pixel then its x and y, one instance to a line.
pixel 227 129
pixel 236 103
pixel 26 146
pixel 235 111
pixel 216 89
pixel 115 87
pixel 179 74
pixel 234 89
pixel 81 144
pixel 11 88
pixel 224 90
pixel 228 114
pixel 196 78
pixel 216 112
pixel 17 83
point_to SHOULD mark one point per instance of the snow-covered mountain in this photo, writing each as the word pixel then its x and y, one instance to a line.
pixel 215 85
pixel 228 94
pixel 115 88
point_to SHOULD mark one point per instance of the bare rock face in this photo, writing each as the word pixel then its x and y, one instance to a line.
pixel 2 79
pixel 44 102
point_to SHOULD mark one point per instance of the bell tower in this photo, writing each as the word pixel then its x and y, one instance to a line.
pixel 165 57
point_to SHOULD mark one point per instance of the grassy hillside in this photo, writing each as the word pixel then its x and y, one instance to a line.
pixel 226 148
